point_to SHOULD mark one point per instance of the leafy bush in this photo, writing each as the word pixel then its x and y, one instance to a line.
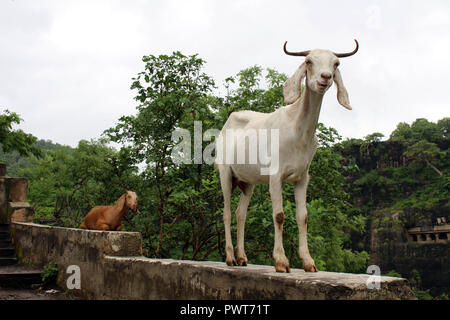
pixel 423 295
pixel 394 274
pixel 50 272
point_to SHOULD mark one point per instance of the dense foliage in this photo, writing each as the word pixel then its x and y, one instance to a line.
pixel 181 204
pixel 15 139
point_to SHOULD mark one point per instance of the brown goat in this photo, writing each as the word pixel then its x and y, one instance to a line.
pixel 110 217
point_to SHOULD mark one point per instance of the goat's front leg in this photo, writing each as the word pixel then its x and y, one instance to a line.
pixel 241 215
pixel 226 183
pixel 302 222
pixel 276 194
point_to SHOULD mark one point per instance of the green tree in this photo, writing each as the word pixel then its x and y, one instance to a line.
pixel 172 92
pixel 254 89
pixel 15 139
pixel 444 128
pixel 421 129
pixel 425 152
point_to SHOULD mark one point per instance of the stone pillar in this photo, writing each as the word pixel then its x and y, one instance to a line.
pixel 13 199
pixel 19 210
pixel 3 195
pixel 17 189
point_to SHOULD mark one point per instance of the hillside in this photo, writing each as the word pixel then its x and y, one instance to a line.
pixel 16 162
pixel 401 183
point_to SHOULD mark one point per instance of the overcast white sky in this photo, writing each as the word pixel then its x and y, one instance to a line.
pixel 66 66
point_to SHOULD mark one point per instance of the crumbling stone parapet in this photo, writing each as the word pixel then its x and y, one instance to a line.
pixel 112 267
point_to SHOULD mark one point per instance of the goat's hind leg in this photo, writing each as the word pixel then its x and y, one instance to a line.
pixel 101 225
pixel 226 183
pixel 241 215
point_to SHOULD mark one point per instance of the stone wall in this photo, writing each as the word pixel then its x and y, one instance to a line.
pixel 112 267
pixel 432 261
pixel 39 245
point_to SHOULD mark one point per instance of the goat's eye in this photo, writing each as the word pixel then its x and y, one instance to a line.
pixel 336 65
pixel 308 62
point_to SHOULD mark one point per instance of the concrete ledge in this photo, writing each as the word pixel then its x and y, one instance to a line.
pixel 143 278
pixel 112 267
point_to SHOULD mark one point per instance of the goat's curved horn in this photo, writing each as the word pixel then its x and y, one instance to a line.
pixel 343 55
pixel 295 54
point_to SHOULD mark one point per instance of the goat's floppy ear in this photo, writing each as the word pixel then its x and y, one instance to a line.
pixel 292 87
pixel 342 94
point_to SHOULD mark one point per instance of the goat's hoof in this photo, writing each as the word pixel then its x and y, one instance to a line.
pixel 242 262
pixel 232 263
pixel 310 268
pixel 282 267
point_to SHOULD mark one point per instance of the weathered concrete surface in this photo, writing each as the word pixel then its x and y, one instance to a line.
pixel 143 278
pixel 15 294
pixel 112 267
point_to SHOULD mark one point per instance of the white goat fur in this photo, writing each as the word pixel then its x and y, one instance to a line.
pixel 296 123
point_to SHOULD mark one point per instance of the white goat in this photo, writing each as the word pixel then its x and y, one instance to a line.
pixel 296 124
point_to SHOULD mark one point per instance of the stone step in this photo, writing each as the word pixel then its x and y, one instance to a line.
pixel 7 252
pixel 5 243
pixel 4 227
pixel 4 235
pixel 19 276
pixel 7 261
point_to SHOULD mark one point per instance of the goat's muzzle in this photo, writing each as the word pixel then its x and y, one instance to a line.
pixel 322 86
